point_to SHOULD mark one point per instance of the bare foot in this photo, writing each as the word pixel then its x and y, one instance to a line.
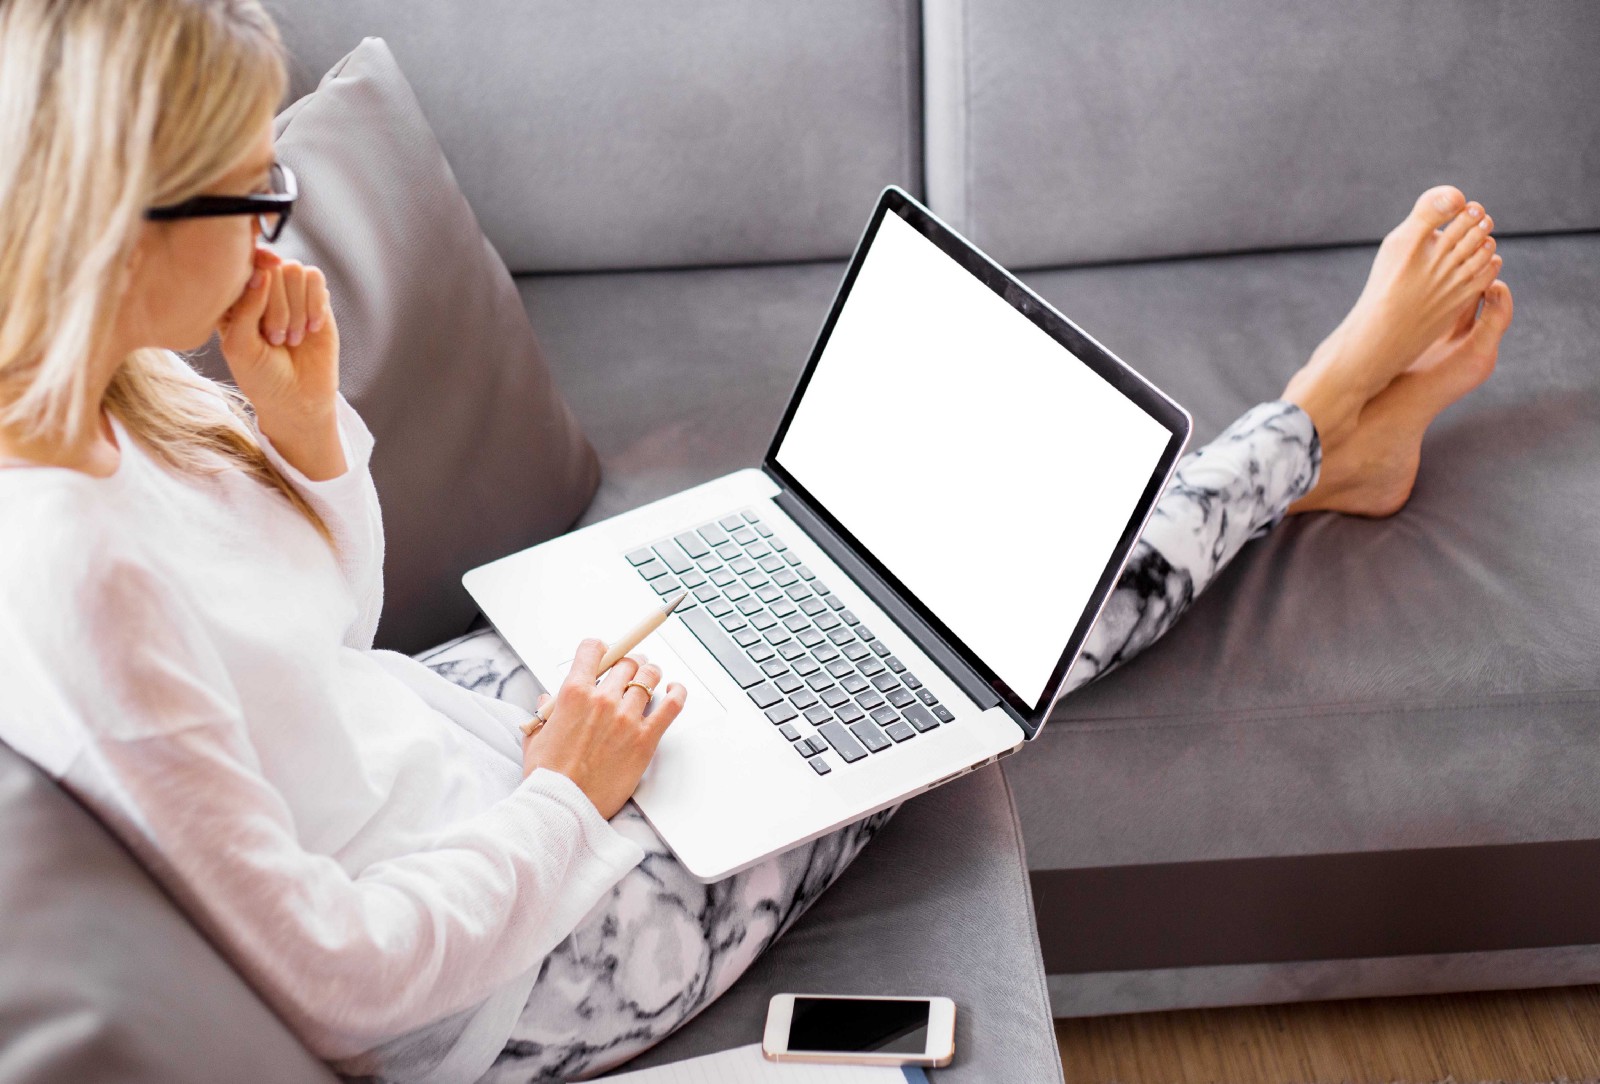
pixel 1422 278
pixel 1371 471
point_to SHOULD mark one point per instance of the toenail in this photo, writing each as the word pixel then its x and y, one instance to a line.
pixel 1475 211
pixel 1442 201
pixel 1484 224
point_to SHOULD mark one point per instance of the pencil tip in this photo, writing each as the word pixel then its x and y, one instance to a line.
pixel 678 600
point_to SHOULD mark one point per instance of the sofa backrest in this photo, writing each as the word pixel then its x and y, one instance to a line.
pixel 615 134
pixel 1076 131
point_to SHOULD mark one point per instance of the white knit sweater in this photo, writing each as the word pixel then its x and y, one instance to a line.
pixel 190 659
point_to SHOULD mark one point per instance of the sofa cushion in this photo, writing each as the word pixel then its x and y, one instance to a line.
pixel 679 376
pixel 610 134
pixel 1068 133
pixel 477 454
pixel 936 904
pixel 102 978
pixel 1348 686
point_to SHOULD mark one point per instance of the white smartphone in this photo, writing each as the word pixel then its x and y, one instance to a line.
pixel 847 1029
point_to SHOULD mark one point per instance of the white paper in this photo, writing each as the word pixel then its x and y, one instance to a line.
pixel 747 1065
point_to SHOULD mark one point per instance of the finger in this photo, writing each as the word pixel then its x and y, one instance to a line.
pixel 650 676
pixel 240 324
pixel 667 708
pixel 586 662
pixel 620 674
pixel 317 300
pixel 294 288
pixel 275 321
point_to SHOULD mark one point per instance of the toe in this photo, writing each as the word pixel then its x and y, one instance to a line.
pixel 1438 205
pixel 1497 307
pixel 1472 240
pixel 1462 225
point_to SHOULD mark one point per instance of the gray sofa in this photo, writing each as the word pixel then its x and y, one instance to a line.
pixel 1358 766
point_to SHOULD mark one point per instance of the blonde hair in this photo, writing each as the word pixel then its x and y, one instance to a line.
pixel 108 107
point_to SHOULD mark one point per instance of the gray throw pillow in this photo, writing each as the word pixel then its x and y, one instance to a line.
pixel 477 454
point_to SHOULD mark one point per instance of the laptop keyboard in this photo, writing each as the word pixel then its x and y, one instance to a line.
pixel 823 679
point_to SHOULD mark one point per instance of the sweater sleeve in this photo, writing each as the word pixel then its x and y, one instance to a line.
pixel 348 504
pixel 348 959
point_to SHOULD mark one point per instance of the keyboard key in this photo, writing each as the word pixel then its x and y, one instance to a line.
pixel 777 634
pixel 791 557
pixel 884 682
pixel 818 714
pixel 849 617
pixel 911 680
pixel 724 650
pixel 840 636
pixel 708 592
pixel 919 717
pixel 788 731
pixel 784 577
pixel 827 621
pixel 742 535
pixel 833 696
pixel 792 650
pixel 652 568
pixel 783 608
pixel 756 578
pixel 693 578
pixel 640 556
pixel 853 683
pixel 731 523
pixel 692 544
pixel 709 563
pixel 943 714
pixel 810 637
pixel 768 593
pixel 805 573
pixel 765 695
pixel 840 667
pixel 763 652
pixel 746 636
pixel 798 591
pixel 849 713
pixel 772 563
pixel 855 650
pixel 763 621
pixel 741 564
pixel 763 530
pixel 885 715
pixel 782 713
pixel 672 553
pixel 835 601
pixel 866 634
pixel 666 585
pixel 803 699
pixel 927 697
pixel 713 534
pixel 718 606
pixel 842 740
pixel 796 622
pixel 773 667
pixel 825 653
pixel 727 550
pixel 750 605
pixel 895 664
pixel 820 766
pixel 867 732
pixel 813 605
pixel 751 517
pixel 806 666
pixel 736 591
pixel 758 549
pixel 900 730
pixel 722 577
pixel 869 699
pixel 879 648
pixel 789 682
pixel 819 680
pixel 901 697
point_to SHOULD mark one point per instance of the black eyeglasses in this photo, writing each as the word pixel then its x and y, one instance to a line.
pixel 270 208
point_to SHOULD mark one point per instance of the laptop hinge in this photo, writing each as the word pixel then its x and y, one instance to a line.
pixel 970 681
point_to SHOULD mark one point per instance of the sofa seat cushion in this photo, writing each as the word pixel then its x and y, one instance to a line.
pixel 1423 686
pixel 937 904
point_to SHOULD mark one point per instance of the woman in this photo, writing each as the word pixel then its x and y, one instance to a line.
pixel 190 580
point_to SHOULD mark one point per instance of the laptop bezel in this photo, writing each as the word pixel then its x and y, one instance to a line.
pixel 1076 342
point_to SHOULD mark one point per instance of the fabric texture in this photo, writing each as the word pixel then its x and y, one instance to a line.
pixel 193 662
pixel 610 134
pixel 1081 132
pixel 435 350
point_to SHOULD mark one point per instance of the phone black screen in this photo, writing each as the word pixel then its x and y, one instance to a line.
pixel 866 1026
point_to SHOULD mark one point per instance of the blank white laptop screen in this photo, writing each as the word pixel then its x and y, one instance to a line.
pixel 972 454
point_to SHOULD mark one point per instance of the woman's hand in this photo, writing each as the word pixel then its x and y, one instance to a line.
pixel 597 735
pixel 282 346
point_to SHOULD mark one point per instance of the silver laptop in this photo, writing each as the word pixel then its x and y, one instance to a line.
pixel 895 596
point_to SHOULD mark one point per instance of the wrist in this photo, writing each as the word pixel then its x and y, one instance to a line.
pixel 309 440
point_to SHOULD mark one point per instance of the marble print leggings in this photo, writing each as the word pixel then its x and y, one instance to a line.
pixel 664 946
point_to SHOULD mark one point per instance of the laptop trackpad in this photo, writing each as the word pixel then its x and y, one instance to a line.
pixel 700 701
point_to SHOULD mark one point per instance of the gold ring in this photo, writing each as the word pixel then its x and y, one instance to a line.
pixel 532 726
pixel 647 690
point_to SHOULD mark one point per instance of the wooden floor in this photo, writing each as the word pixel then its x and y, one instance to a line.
pixel 1527 1035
